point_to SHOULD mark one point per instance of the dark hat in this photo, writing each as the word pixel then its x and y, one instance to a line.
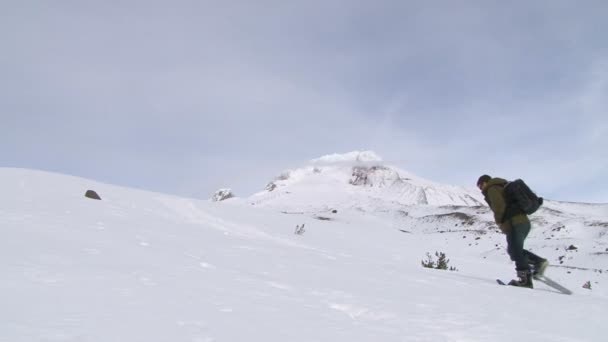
pixel 483 179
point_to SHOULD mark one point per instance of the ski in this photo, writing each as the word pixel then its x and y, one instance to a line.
pixel 553 284
pixel 547 281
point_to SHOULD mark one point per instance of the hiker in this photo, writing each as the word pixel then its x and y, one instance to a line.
pixel 514 223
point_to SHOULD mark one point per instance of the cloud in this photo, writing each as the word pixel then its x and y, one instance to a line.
pixel 444 90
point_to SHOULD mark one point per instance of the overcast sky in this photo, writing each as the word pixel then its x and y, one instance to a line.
pixel 186 97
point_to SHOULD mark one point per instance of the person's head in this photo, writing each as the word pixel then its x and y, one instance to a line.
pixel 482 181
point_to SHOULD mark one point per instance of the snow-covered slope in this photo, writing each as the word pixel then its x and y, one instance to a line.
pixel 141 266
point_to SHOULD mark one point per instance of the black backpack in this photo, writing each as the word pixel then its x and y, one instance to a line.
pixel 519 194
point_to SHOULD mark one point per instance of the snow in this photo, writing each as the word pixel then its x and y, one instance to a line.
pixel 143 266
pixel 350 157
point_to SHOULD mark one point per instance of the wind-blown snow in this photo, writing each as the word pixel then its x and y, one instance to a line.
pixel 142 266
pixel 350 157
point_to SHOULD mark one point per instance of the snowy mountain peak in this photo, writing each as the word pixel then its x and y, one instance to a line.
pixel 360 180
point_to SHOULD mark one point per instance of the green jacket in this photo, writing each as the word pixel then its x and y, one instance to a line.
pixel 505 215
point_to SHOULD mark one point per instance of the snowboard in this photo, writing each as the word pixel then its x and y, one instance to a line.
pixel 547 281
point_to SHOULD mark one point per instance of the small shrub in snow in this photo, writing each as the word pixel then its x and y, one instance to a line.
pixel 428 263
pixel 299 229
pixel 441 263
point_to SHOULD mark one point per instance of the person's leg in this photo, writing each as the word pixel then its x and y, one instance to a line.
pixel 538 264
pixel 516 246
pixel 515 240
pixel 509 236
pixel 532 258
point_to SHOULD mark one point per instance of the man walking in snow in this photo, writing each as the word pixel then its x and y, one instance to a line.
pixel 514 223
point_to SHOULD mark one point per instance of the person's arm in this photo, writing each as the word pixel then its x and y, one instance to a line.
pixel 497 203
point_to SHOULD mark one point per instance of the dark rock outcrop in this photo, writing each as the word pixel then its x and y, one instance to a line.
pixel 92 195
pixel 222 194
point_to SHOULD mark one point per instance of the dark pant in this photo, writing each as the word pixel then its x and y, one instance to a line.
pixel 515 247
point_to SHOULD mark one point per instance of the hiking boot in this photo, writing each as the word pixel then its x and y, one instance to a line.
pixel 525 279
pixel 538 270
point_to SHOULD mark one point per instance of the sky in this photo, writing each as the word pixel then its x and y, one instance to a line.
pixel 186 97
